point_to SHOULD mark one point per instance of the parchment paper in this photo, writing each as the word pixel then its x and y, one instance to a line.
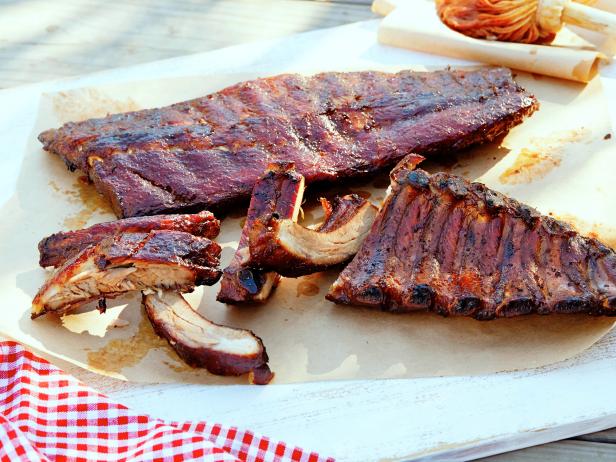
pixel 574 54
pixel 557 161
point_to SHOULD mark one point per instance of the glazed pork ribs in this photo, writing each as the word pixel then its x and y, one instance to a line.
pixel 208 153
pixel 279 191
pixel 444 244
pixel 199 342
pixel 274 244
pixel 162 256
pixel 292 250
pixel 158 260
pixel 54 250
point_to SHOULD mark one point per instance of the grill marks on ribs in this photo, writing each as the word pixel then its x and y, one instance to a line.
pixel 209 152
pixel 201 343
pixel 279 191
pixel 130 262
pixel 54 250
pixel 458 248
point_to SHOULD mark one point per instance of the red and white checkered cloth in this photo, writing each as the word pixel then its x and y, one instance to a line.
pixel 46 414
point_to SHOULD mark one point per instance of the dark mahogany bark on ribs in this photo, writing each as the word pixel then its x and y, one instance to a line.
pixel 54 250
pixel 442 243
pixel 279 191
pixel 161 259
pixel 209 152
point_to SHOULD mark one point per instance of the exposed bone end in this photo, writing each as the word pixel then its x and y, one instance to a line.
pixel 293 250
pixel 201 343
pixel 262 375
pixel 247 285
pixel 399 175
pixel 280 192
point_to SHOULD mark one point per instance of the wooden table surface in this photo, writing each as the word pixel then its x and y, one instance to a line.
pixel 42 40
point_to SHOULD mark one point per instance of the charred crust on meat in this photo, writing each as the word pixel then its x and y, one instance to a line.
pixel 467 306
pixel 54 250
pixel 422 296
pixel 277 193
pixel 476 252
pixel 208 153
pixel 251 280
pixel 418 179
pixel 160 259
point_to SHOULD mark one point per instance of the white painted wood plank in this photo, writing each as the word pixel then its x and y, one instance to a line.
pixel 457 418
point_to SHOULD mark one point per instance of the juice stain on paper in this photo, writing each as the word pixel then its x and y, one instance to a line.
pixel 126 352
pixel 307 289
pixel 77 105
pixel 82 104
pixel 85 195
pixel 529 166
pixel 544 155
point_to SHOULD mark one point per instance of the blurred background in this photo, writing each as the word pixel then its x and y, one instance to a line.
pixel 42 39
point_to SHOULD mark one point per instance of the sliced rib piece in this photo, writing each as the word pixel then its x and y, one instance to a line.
pixel 130 262
pixel 209 152
pixel 201 343
pixel 442 243
pixel 279 191
pixel 292 250
pixel 54 250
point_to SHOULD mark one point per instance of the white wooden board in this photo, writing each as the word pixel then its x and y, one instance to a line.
pixel 439 418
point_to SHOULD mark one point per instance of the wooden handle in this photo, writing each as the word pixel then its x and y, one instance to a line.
pixel 589 18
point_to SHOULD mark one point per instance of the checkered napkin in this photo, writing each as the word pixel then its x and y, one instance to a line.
pixel 47 415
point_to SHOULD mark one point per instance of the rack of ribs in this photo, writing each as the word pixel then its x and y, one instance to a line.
pixel 208 153
pixel 444 244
